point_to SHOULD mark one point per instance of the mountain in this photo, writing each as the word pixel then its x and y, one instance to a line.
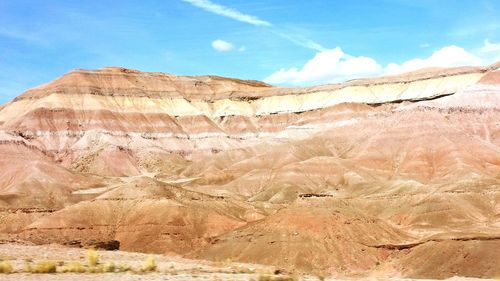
pixel 385 176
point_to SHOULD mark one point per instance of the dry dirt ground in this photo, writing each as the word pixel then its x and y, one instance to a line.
pixel 169 267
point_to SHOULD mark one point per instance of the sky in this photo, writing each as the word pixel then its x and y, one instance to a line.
pixel 281 42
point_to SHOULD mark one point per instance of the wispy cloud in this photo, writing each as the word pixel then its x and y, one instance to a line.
pixel 209 6
pixel 301 41
pixel 29 37
pixel 221 10
pixel 474 29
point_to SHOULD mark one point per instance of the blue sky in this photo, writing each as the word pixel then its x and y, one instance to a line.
pixel 279 41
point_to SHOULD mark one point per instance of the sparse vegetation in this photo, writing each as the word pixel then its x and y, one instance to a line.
pixel 44 266
pixel 149 264
pixel 277 278
pixel 94 269
pixel 92 266
pixel 92 257
pixel 109 267
pixel 75 267
pixel 28 266
pixel 123 268
pixel 5 267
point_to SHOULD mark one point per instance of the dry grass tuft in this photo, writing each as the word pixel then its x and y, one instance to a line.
pixel 5 267
pixel 92 257
pixel 149 264
pixel 92 265
pixel 75 267
pixel 123 268
pixel 277 278
pixel 95 269
pixel 108 267
pixel 28 266
pixel 44 266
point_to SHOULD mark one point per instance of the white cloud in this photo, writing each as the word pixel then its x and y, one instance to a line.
pixel 490 47
pixel 333 65
pixel 448 56
pixel 222 46
pixel 327 66
pixel 209 6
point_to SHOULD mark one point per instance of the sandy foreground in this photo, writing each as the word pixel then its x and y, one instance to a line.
pixel 169 267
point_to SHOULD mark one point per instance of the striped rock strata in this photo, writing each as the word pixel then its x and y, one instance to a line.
pixel 383 177
pixel 88 114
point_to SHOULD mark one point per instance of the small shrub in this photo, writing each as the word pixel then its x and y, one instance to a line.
pixel 109 267
pixel 95 269
pixel 5 267
pixel 277 278
pixel 123 268
pixel 149 264
pixel 75 267
pixel 28 266
pixel 44 266
pixel 92 257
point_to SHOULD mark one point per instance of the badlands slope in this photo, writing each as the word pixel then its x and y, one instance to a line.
pixel 392 176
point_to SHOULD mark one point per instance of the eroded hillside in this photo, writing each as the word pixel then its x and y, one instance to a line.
pixel 386 176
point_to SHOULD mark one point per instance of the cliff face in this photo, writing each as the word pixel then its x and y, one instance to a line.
pixel 345 179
